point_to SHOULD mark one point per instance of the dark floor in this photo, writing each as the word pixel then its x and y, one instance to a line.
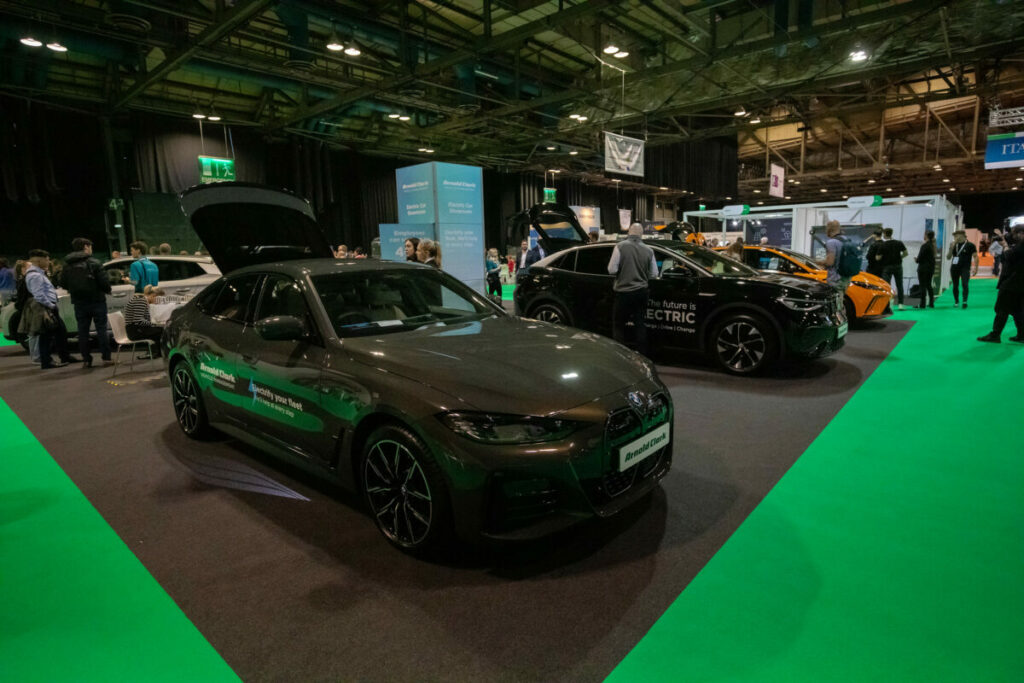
pixel 288 579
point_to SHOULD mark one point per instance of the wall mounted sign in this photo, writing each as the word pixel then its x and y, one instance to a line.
pixel 1005 151
pixel 736 210
pixel 215 169
pixel 864 202
pixel 623 155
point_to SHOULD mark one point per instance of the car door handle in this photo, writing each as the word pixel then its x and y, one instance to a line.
pixel 120 296
pixel 250 360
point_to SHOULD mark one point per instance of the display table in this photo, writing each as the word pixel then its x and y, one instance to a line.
pixel 159 314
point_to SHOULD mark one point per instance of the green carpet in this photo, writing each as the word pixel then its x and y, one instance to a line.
pixel 6 342
pixel 75 603
pixel 893 549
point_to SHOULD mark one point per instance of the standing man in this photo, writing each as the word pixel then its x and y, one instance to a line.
pixel 926 268
pixel 874 262
pixel 963 264
pixel 41 316
pixel 88 285
pixel 143 271
pixel 997 248
pixel 1010 300
pixel 633 264
pixel 893 252
pixel 833 250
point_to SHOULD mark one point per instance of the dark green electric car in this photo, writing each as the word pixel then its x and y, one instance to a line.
pixel 397 381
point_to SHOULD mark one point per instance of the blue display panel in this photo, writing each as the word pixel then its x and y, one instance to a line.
pixel 462 252
pixel 460 194
pixel 394 235
pixel 416 198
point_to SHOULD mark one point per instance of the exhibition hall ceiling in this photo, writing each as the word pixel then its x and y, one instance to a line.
pixel 839 93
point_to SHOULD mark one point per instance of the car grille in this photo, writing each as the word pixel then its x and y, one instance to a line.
pixel 518 502
pixel 623 426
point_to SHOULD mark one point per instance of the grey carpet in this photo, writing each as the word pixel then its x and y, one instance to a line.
pixel 293 589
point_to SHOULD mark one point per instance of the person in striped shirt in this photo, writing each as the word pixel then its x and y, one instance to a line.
pixel 137 322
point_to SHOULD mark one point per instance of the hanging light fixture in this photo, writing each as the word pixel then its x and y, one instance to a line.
pixel 620 54
pixel 610 49
pixel 353 50
pixel 214 116
pixel 199 115
pixel 573 153
pixel 31 42
pixel 56 46
pixel 740 111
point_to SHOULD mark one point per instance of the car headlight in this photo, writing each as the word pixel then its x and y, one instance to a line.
pixel 497 428
pixel 801 304
pixel 868 285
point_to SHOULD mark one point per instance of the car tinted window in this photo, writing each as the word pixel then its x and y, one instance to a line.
pixel 566 261
pixel 376 302
pixel 232 302
pixel 208 297
pixel 281 296
pixel 594 260
pixel 711 261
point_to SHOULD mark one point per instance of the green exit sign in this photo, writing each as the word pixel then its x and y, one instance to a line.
pixel 215 169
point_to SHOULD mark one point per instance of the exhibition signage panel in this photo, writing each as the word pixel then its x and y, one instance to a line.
pixel 460 193
pixel 864 202
pixel 736 210
pixel 623 155
pixel 462 252
pixel 777 184
pixel 394 235
pixel 215 169
pixel 416 200
pixel 1005 151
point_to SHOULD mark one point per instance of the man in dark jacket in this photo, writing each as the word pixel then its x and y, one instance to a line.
pixel 88 285
pixel 633 264
pixel 1010 300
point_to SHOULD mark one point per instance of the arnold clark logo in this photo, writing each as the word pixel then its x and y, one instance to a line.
pixel 643 447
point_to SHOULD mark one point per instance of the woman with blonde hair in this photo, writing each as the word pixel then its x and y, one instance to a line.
pixel 429 252
pixel 137 321
pixel 493 265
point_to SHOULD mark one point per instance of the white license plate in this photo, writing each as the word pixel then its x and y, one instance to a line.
pixel 640 449
pixel 842 330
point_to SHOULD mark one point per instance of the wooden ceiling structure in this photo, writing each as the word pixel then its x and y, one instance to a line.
pixel 503 83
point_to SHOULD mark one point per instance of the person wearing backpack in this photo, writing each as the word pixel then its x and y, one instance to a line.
pixel 842 258
pixel 893 252
pixel 88 285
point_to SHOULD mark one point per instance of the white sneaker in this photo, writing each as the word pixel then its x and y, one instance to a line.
pixel 900 306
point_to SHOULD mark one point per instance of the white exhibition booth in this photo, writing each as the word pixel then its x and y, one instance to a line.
pixel 908 217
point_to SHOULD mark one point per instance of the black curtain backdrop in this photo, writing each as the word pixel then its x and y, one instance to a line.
pixel 706 167
pixel 55 183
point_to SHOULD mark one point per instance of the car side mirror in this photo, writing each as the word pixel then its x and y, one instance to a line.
pixel 282 328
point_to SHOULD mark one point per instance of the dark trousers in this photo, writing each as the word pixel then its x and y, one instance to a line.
pixel 960 275
pixel 140 331
pixel 924 279
pixel 494 285
pixel 94 313
pixel 996 262
pixel 895 271
pixel 631 307
pixel 1009 304
pixel 55 340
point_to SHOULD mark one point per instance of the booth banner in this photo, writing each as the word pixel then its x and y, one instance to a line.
pixel 779 231
pixel 625 218
pixel 416 201
pixel 460 193
pixel 623 155
pixel 777 184
pixel 394 235
pixel 1005 151
pixel 462 252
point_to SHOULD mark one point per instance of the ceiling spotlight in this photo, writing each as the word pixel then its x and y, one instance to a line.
pixel 610 49
pixel 573 153
pixel 31 42
pixel 871 180
pixel 581 119
pixel 903 195
pixel 616 180
pixel 422 149
pixel 952 189
pixel 788 197
pixel 550 148
pixel 213 117
pixel 428 150
pixel 574 116
pixel 824 189
pixel 760 202
pixel 1014 187
pixel 403 117
pixel 740 111
pixel 352 51
pixel 945 180
pixel 728 199
pixel 757 191
pixel 756 119
pixel 334 42
pixel 620 54
pixel 796 182
pixel 662 188
pixel 56 46
pixel 846 196
pixel 888 189
pixel 199 115
pixel 1019 179
pixel 553 170
pixel 393 116
pixel 858 56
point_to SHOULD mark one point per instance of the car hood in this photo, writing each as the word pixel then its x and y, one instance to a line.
pixel 869 279
pixel 799 286
pixel 506 364
pixel 242 224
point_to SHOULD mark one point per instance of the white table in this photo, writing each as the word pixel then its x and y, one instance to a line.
pixel 159 314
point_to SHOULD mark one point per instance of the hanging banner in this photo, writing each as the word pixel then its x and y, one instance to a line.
pixel 777 185
pixel 1005 151
pixel 623 155
pixel 625 218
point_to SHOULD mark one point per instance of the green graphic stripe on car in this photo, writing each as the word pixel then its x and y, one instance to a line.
pixel 892 549
pixel 77 605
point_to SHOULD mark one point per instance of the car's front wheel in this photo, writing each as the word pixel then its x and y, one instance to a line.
pixel 405 490
pixel 743 344
pixel 550 312
pixel 188 403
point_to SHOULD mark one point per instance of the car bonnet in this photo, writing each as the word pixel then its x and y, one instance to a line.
pixel 506 364
pixel 242 224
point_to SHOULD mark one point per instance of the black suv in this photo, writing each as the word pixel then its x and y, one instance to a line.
pixel 702 300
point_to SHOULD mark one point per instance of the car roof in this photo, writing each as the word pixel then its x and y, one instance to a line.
pixel 322 266
pixel 162 257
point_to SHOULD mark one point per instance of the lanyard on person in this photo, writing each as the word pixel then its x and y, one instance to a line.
pixel 961 250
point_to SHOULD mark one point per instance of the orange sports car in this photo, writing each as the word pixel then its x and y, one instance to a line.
pixel 867 297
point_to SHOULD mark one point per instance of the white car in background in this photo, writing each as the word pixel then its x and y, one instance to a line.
pixel 183 276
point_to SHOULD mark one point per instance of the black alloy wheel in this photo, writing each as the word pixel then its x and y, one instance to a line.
pixel 850 309
pixel 404 489
pixel 743 344
pixel 188 403
pixel 549 312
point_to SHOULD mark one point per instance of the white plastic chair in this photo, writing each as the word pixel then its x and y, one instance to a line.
pixel 120 332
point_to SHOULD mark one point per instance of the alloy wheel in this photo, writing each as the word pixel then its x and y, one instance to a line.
pixel 549 314
pixel 186 400
pixel 741 346
pixel 398 493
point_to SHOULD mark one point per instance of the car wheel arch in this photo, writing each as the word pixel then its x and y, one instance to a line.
pixel 552 301
pixel 738 308
pixel 364 428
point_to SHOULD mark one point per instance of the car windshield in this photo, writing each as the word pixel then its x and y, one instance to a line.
pixel 384 301
pixel 711 261
pixel 802 259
